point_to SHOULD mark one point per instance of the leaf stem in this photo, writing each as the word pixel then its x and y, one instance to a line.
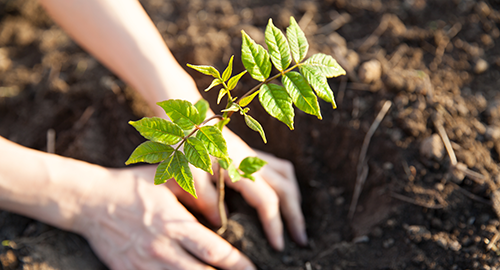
pixel 267 81
pixel 198 127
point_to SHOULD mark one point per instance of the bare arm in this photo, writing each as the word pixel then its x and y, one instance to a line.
pixel 121 35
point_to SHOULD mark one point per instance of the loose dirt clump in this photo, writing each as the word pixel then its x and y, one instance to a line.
pixel 428 188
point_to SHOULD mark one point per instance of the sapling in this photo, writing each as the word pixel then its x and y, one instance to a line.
pixel 188 138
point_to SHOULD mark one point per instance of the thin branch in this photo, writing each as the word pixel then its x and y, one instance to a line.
pixel 255 88
pixel 362 168
pixel 413 201
pixel 446 141
pixel 220 203
pixel 212 118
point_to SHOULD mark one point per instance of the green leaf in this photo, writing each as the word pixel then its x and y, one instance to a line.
pixel 222 123
pixel 233 108
pixel 302 95
pixel 197 154
pixel 248 176
pixel 279 50
pixel 162 173
pixel 319 83
pixel 176 166
pixel 229 70
pixel 214 83
pixel 254 125
pixel 214 142
pixel 251 164
pixel 179 168
pixel 202 106
pixel 181 112
pixel 326 64
pixel 277 103
pixel 158 130
pixel 207 70
pixel 150 152
pixel 222 93
pixel 234 80
pixel 298 41
pixel 232 171
pixel 255 58
pixel 246 100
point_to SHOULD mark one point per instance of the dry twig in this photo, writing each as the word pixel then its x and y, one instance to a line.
pixel 362 168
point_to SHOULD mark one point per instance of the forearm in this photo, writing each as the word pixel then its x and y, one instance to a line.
pixel 120 34
pixel 43 186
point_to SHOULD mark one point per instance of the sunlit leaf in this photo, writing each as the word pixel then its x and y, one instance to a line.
pixel 255 58
pixel 234 80
pixel 214 142
pixel 179 169
pixel 162 173
pixel 232 171
pixel 150 152
pixel 276 101
pixel 176 166
pixel 197 154
pixel 202 106
pixel 181 112
pixel 254 125
pixel 297 39
pixel 229 70
pixel 246 100
pixel 319 83
pixel 207 70
pixel 325 64
pixel 233 108
pixel 302 95
pixel 250 165
pixel 214 83
pixel 158 130
pixel 222 93
pixel 279 50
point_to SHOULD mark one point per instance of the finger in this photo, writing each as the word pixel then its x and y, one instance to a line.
pixel 265 200
pixel 207 196
pixel 280 175
pixel 289 199
pixel 212 249
pixel 166 256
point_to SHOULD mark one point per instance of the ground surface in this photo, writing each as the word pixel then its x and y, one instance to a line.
pixel 438 62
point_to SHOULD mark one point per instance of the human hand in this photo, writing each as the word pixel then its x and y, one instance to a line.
pixel 132 224
pixel 275 188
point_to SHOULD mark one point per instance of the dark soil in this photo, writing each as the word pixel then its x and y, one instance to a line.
pixel 438 62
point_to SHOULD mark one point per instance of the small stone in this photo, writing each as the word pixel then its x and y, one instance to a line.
pixel 388 243
pixel 492 133
pixel 370 71
pixel 339 201
pixel 377 232
pixel 8 260
pixel 361 239
pixel 481 66
pixel 432 147
pixel 457 172
pixel 436 223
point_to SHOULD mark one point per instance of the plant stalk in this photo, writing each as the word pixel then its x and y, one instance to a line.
pixel 222 208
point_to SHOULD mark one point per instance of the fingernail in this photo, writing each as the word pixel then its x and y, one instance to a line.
pixel 302 239
pixel 280 244
pixel 251 267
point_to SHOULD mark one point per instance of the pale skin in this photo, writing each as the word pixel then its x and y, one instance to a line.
pixel 129 222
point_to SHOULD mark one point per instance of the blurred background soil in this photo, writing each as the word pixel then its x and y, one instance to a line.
pixel 437 62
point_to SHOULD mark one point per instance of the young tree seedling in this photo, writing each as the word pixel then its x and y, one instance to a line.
pixel 187 138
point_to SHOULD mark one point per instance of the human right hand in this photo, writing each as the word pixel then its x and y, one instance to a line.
pixel 132 224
